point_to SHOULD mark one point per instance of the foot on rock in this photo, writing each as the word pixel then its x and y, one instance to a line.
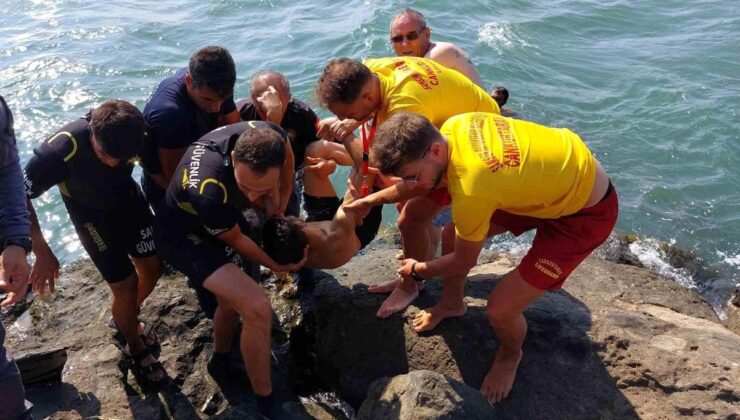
pixel 499 380
pixel 399 299
pixel 386 287
pixel 428 319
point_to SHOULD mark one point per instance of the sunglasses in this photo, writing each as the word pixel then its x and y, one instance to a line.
pixel 411 36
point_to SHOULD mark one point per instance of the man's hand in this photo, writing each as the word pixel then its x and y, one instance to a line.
pixel 45 271
pixel 269 102
pixel 334 129
pixel 405 271
pixel 320 166
pixel 360 207
pixel 282 268
pixel 13 274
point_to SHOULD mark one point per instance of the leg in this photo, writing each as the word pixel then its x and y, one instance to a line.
pixel 506 305
pixel 125 309
pixel 225 325
pixel 232 286
pixel 11 388
pixel 415 218
pixel 148 270
pixel 451 303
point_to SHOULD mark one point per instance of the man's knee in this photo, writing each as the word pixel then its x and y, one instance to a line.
pixel 256 310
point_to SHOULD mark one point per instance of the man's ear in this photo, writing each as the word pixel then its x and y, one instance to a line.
pixel 188 80
pixel 437 150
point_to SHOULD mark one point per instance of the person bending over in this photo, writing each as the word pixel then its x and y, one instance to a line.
pixel 494 169
pixel 202 232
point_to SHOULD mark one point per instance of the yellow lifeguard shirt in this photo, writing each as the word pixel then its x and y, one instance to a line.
pixel 427 88
pixel 516 166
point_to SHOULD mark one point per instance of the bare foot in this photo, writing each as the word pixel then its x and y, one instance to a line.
pixel 428 319
pixel 386 287
pixel 399 299
pixel 499 380
pixel 399 254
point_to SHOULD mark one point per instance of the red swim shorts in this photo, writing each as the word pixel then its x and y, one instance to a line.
pixel 560 245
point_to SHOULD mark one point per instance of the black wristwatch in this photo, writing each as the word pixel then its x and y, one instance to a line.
pixel 21 241
pixel 414 274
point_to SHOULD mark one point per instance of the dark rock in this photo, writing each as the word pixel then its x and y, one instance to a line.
pixel 423 394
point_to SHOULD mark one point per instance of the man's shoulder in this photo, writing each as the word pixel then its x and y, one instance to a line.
pixel 445 49
pixel 168 99
pixel 300 109
pixel 68 139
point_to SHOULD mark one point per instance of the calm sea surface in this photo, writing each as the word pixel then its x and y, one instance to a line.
pixel 652 86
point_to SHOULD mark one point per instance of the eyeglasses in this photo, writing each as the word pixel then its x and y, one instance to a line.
pixel 411 36
pixel 418 171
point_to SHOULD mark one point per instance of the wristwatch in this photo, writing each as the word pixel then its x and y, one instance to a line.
pixel 21 241
pixel 414 274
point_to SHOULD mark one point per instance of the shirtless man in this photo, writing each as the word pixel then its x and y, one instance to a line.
pixel 493 168
pixel 333 236
pixel 410 36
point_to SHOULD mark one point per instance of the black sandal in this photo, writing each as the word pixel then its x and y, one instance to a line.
pixel 143 374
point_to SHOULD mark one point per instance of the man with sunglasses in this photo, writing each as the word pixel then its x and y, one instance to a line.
pixel 410 36
pixel 493 168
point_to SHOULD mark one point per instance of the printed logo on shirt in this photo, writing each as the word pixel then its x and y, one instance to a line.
pixel 510 149
pixel 427 83
pixel 194 165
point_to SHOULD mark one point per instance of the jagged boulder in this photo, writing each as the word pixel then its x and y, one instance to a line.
pixel 423 395
pixel 618 341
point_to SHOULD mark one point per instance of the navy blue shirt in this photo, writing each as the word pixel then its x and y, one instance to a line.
pixel 174 121
pixel 13 211
pixel 299 122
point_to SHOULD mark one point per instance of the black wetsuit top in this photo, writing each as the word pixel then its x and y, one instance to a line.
pixel 203 196
pixel 67 159
pixel 299 122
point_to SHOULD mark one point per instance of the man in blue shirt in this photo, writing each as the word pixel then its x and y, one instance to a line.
pixel 15 243
pixel 184 107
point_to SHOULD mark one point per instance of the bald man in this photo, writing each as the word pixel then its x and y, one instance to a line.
pixel 270 100
pixel 410 36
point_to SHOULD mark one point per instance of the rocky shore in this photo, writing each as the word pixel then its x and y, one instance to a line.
pixel 617 342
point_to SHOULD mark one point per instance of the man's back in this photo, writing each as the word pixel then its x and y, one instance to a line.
pixel 426 88
pixel 452 56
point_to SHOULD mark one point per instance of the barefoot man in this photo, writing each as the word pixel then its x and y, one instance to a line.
pixel 502 175
pixel 377 89
pixel 412 37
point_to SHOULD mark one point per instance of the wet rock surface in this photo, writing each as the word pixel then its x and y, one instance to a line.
pixel 618 341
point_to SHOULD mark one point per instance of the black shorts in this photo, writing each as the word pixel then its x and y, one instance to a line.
pixel 111 236
pixel 324 208
pixel 198 255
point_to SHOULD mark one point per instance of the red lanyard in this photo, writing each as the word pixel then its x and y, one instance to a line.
pixel 366 140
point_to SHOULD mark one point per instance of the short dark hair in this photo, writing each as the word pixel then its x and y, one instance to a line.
pixel 261 148
pixel 213 68
pixel 341 81
pixel 283 241
pixel 119 127
pixel 413 13
pixel 401 139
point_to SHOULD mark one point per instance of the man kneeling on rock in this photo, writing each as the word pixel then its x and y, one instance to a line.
pixel 199 230
pixel 502 175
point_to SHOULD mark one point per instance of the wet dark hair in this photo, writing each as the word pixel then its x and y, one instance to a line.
pixel 500 94
pixel 119 128
pixel 213 67
pixel 260 147
pixel 283 241
pixel 401 139
pixel 341 81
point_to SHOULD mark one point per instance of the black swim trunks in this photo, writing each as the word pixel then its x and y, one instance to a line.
pixel 110 237
pixel 324 208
